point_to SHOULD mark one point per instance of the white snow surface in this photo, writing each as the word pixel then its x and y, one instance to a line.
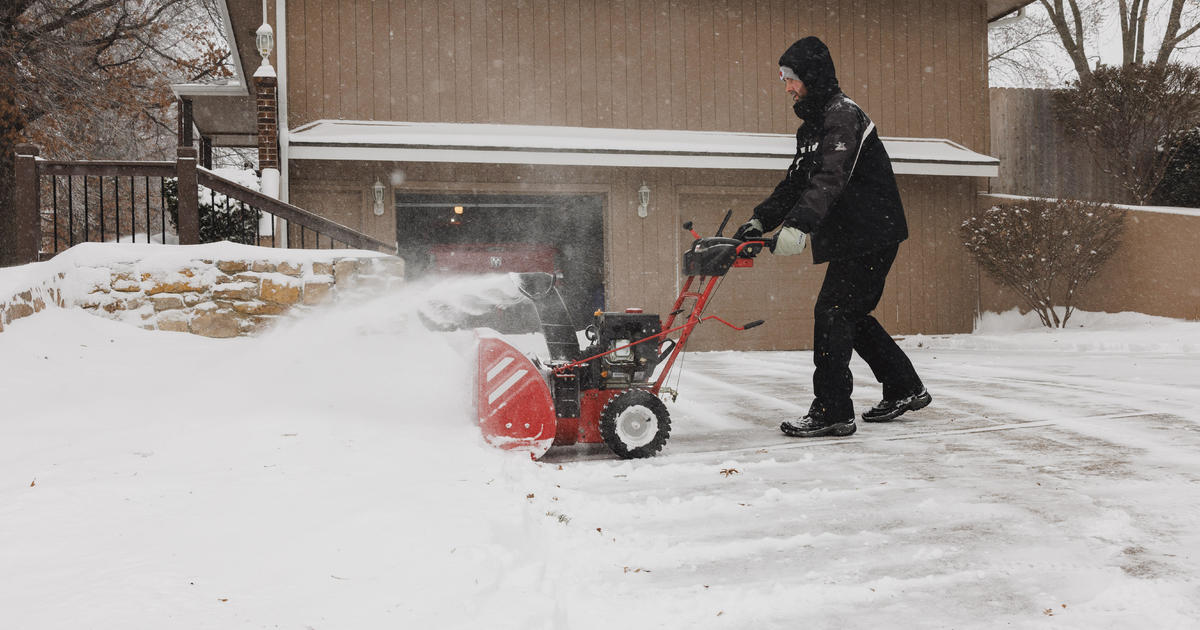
pixel 329 475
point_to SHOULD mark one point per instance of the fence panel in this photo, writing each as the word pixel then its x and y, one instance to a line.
pixel 1037 158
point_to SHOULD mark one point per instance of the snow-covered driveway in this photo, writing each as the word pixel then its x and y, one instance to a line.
pixel 328 476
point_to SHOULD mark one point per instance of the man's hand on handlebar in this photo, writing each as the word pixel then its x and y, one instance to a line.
pixel 749 230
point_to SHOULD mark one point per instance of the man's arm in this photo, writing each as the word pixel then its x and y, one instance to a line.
pixel 772 211
pixel 842 138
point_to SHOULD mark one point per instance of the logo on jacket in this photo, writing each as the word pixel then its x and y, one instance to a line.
pixel 841 146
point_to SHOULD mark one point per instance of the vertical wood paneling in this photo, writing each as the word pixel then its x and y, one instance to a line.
pixel 588 75
pixel 916 66
pixel 480 59
pixel 427 51
pixel 297 72
pixel 620 86
pixel 414 71
pixel 347 46
pixel 542 63
pixel 705 77
pixel 681 47
pixel 602 64
pixel 664 57
pixel 572 63
pixel 557 51
pixel 633 65
pixel 735 66
pixel 397 66
pixel 648 64
pixel 510 17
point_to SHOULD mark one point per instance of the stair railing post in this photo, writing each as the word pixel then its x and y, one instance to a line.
pixel 189 197
pixel 24 224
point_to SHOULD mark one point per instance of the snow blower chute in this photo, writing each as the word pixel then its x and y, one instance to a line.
pixel 609 391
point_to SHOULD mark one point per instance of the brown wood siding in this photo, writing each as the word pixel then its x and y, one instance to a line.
pixel 915 66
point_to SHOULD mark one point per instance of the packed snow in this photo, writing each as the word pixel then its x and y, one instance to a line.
pixel 328 474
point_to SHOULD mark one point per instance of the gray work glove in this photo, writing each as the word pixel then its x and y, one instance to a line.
pixel 789 241
pixel 749 230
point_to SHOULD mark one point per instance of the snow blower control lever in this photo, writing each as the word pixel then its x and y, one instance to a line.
pixel 608 391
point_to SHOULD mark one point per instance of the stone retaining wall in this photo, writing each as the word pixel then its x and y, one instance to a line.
pixel 213 298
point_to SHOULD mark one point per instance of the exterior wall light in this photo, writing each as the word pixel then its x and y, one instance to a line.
pixel 377 190
pixel 264 38
pixel 644 200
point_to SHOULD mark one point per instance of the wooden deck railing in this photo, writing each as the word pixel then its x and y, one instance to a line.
pixel 61 203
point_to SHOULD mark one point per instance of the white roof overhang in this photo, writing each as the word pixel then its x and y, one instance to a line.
pixel 589 146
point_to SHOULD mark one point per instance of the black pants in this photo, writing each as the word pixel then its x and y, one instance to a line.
pixel 851 290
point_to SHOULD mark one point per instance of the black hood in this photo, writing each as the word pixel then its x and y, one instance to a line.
pixel 809 58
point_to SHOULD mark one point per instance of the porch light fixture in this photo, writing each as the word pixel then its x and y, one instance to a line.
pixel 377 191
pixel 264 38
pixel 644 200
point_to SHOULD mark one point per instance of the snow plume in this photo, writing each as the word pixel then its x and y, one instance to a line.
pixel 327 473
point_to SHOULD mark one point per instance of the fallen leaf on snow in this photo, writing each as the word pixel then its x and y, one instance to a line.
pixel 730 471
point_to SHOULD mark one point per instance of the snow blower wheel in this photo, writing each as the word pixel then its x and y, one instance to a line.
pixel 635 424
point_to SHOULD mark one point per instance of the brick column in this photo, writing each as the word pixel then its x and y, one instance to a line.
pixel 268 121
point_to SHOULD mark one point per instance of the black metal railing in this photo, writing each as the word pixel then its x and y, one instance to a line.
pixel 104 202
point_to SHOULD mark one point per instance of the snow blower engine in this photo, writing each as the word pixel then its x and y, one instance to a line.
pixel 609 390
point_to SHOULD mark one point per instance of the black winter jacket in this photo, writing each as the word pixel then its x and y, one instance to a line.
pixel 840 188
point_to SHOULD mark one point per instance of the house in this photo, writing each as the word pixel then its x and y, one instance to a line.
pixel 595 128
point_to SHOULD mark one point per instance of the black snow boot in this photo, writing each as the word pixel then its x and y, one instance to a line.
pixel 888 410
pixel 815 424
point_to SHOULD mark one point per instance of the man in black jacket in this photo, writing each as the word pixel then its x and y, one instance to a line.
pixel 841 192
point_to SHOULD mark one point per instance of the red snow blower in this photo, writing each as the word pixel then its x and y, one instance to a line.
pixel 609 391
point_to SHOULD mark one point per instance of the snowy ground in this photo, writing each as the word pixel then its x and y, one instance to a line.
pixel 328 475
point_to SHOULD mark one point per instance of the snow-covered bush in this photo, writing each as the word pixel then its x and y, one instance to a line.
pixel 1181 184
pixel 221 218
pixel 1046 250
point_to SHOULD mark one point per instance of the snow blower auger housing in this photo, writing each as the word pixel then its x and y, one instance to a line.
pixel 608 391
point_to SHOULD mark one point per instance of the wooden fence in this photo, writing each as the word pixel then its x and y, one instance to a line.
pixel 59 203
pixel 1036 158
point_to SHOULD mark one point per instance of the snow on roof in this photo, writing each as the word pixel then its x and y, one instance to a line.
pixel 590 146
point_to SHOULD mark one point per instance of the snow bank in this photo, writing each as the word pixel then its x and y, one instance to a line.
pixel 1085 332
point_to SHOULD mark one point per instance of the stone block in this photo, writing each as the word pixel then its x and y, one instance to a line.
pixel 389 266
pixel 262 266
pixel 252 324
pixel 344 271
pixel 174 321
pixel 166 302
pixel 182 286
pixel 17 310
pixel 220 324
pixel 279 292
pixel 126 285
pixel 232 266
pixel 257 307
pixel 317 292
pixel 239 291
pixel 322 269
pixel 192 299
pixel 290 269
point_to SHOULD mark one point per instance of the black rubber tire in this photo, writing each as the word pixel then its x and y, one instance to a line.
pixel 642 403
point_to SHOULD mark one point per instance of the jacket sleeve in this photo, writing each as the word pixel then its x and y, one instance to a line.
pixel 841 142
pixel 772 211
